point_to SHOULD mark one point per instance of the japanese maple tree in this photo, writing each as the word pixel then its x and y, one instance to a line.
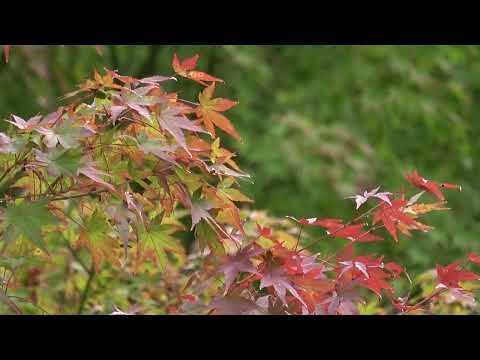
pixel 111 170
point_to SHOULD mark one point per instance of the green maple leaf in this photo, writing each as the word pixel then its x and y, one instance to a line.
pixel 158 240
pixel 28 218
pixel 61 161
pixel 67 134
pixel 94 235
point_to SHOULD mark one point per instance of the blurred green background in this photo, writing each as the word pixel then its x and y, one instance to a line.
pixel 318 122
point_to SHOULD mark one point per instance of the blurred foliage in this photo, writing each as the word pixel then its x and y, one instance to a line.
pixel 318 122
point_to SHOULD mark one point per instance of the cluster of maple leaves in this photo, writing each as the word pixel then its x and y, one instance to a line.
pixel 117 162
pixel 268 276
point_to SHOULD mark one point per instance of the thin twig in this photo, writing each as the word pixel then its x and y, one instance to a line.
pixel 86 290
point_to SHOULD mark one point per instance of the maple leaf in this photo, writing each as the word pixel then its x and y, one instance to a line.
pixel 132 204
pixel 94 235
pixel 420 209
pixel 6 144
pixel 275 276
pixel 450 275
pixel 209 112
pixel 156 147
pixel 264 231
pixel 29 218
pixel 420 182
pixel 115 111
pixel 234 305
pixel 186 68
pixel 28 125
pixel 157 241
pixel 70 162
pixel 240 262
pixel 224 188
pixel 361 199
pixel 199 211
pixel 67 134
pixel 449 278
pixel 369 272
pixel 207 238
pixel 172 121
pixel 90 170
pixel 60 161
pixel 393 217
pixel 343 299
pixel 353 233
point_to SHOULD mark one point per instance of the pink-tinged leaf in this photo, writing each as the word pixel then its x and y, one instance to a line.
pixel 238 263
pixel 139 109
pixel 66 134
pixel 277 277
pixel 90 171
pixel 161 151
pixel 6 144
pixel 132 204
pixel 172 121
pixel 361 199
pixel 343 300
pixel 199 211
pixel 25 125
pixel 115 112
pixel 52 118
pixel 235 305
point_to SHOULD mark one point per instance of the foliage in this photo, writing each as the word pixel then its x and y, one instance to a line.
pixel 108 181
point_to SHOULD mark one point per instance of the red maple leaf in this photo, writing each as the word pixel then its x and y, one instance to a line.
pixel 392 218
pixel 450 275
pixel 353 233
pixel 185 68
pixel 420 182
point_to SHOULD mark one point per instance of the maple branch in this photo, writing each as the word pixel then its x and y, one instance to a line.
pixel 17 161
pixel 86 290
pixel 30 302
pixel 7 301
pixel 299 236
pixel 428 298
pixel 79 195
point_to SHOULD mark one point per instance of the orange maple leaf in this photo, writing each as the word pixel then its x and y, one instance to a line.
pixel 210 112
pixel 185 68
